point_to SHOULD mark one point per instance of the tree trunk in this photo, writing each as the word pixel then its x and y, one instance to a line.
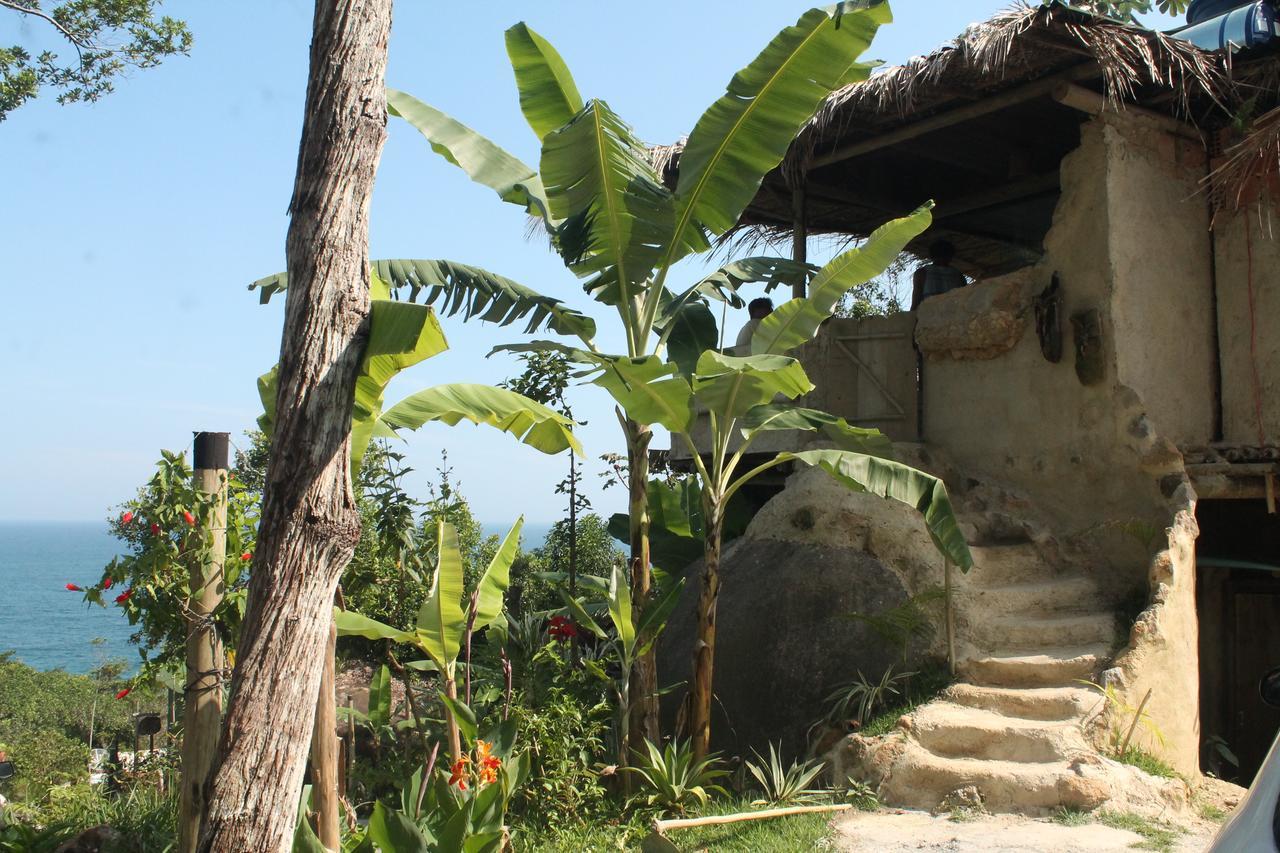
pixel 309 525
pixel 324 750
pixel 202 693
pixel 704 650
pixel 644 674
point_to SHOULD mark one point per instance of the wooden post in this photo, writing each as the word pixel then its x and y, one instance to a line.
pixel 799 235
pixel 951 623
pixel 202 711
pixel 324 752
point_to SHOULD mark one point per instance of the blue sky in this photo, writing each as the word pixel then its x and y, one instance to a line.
pixel 131 227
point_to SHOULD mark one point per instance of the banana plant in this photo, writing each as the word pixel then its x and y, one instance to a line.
pixel 619 227
pixel 447 618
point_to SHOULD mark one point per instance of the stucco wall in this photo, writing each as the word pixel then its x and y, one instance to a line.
pixel 1239 237
pixel 1129 241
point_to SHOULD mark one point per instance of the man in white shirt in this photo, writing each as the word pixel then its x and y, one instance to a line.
pixel 757 309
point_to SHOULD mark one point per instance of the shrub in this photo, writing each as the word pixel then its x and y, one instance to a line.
pixel 785 786
pixel 673 779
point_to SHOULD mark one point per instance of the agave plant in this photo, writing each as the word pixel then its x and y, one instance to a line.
pixel 621 229
pixel 785 786
pixel 673 778
pixel 860 698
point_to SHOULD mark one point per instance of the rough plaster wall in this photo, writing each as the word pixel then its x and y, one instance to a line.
pixel 1236 236
pixel 1162 302
pixel 1098 454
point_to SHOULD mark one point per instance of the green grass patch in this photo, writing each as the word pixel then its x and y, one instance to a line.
pixel 1146 762
pixel 925 686
pixel 964 814
pixel 1156 835
pixel 1210 812
pixel 1067 816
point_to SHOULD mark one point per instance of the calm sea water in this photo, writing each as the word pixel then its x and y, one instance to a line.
pixel 44 624
pixel 48 627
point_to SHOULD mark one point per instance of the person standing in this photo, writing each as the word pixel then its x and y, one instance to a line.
pixel 937 277
pixel 757 309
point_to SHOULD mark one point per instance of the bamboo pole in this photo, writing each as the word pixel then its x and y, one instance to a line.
pixel 951 622
pixel 324 751
pixel 202 711
pixel 662 826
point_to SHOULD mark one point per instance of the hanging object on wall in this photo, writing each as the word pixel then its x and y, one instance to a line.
pixel 1086 326
pixel 1048 306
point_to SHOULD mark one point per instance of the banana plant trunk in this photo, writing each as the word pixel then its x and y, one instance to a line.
pixel 704 649
pixel 310 524
pixel 644 673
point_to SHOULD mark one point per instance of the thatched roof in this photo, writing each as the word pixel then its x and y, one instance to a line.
pixel 981 116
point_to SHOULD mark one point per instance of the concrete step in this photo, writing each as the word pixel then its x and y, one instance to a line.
pixel 1047 667
pixel 1005 564
pixel 1037 596
pixel 958 731
pixel 1030 703
pixel 921 779
pixel 1055 630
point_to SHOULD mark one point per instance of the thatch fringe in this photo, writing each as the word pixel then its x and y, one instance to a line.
pixel 1250 169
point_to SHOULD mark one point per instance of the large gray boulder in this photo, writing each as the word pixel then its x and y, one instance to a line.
pixel 815 554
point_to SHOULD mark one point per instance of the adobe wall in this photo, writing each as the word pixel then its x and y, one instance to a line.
pixel 1096 447
pixel 1249 235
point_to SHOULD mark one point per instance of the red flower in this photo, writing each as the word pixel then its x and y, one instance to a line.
pixel 155 529
pixel 562 628
pixel 126 518
pixel 188 517
pixel 124 596
pixel 123 693
pixel 458 774
pixel 73 588
pixel 247 556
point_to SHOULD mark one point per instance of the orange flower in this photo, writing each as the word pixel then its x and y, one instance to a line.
pixel 483 750
pixel 458 774
pixel 487 762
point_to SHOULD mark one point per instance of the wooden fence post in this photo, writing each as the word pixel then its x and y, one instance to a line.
pixel 202 694
pixel 324 751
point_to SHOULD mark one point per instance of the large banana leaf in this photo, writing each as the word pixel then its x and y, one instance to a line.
pixel 689 328
pixel 797 321
pixel 549 98
pixel 773 416
pixel 352 624
pixel 531 422
pixel 730 386
pixel 452 288
pixel 746 133
pixel 496 578
pixel 441 622
pixel 648 393
pixel 482 160
pixel 600 182
pixel 620 608
pixel 724 283
pixel 401 334
pixel 902 483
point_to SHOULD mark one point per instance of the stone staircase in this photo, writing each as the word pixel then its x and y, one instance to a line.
pixel 1013 732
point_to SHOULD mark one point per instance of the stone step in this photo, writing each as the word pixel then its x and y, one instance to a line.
pixel 1066 593
pixel 958 731
pixel 1005 564
pixel 1030 703
pixel 1056 630
pixel 1048 667
pixel 921 779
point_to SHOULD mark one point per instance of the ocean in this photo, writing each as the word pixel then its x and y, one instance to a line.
pixel 47 627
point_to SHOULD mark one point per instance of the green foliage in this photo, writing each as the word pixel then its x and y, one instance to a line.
pixel 1145 761
pixel 860 699
pixel 672 779
pixel 597 553
pixel 110 38
pixel 167 530
pixel 1128 10
pixel 143 819
pixel 1125 720
pixel 785 786
pixel 860 795
pixel 909 621
pixel 1156 835
pixel 1067 816
pixel 922 688
pixel 46 717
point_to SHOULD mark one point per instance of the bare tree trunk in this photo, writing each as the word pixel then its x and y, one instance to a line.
pixel 324 750
pixel 644 674
pixel 310 524
pixel 704 650
pixel 202 694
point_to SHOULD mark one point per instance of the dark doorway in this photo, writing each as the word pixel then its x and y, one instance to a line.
pixel 1238 604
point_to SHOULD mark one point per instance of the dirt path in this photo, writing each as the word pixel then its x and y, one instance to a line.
pixel 901 831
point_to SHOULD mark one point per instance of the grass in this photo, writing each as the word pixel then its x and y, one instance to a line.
pixel 1210 812
pixel 964 814
pixel 924 687
pixel 1156 835
pixel 1147 762
pixel 1067 816
pixel 775 835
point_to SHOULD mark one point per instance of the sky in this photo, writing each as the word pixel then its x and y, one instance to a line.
pixel 130 228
